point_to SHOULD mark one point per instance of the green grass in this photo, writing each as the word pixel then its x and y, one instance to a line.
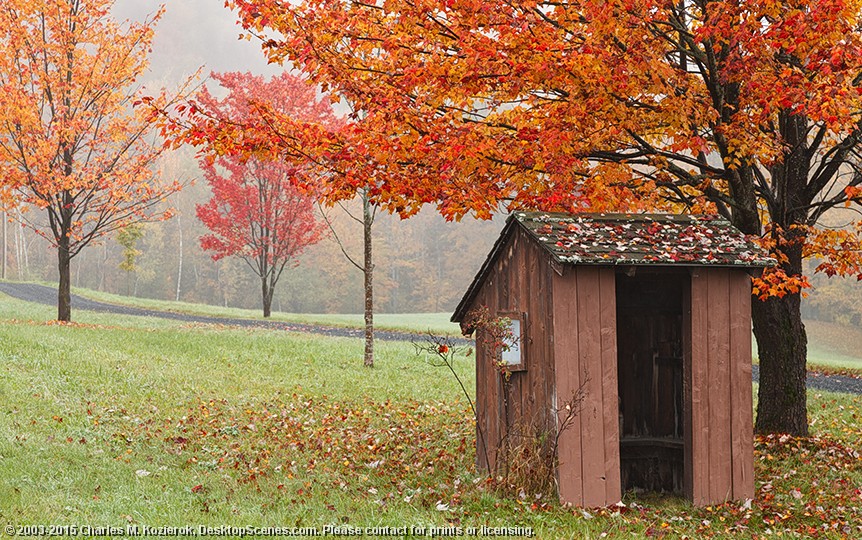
pixel 90 404
pixel 834 347
pixel 131 420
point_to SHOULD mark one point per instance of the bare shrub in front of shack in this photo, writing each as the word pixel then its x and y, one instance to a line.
pixel 525 457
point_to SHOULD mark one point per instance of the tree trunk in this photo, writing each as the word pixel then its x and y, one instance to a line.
pixel 180 263
pixel 782 346
pixel 4 245
pixel 102 262
pixel 64 296
pixel 266 293
pixel 781 340
pixel 368 271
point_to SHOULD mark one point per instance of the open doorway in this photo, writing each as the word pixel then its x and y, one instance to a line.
pixel 650 307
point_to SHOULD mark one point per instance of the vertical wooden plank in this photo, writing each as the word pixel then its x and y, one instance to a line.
pixel 687 476
pixel 591 376
pixel 500 273
pixel 485 410
pixel 742 428
pixel 699 390
pixel 492 296
pixel 548 381
pixel 565 319
pixel 718 335
pixel 505 403
pixel 539 362
pixel 522 305
pixel 610 397
pixel 516 271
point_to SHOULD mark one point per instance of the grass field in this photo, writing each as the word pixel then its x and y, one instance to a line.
pixel 131 420
pixel 834 346
pixel 831 347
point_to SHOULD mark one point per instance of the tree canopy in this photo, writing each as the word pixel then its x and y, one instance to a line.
pixel 747 109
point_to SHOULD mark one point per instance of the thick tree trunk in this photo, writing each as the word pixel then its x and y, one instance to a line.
pixel 368 271
pixel 782 347
pixel 64 296
pixel 781 340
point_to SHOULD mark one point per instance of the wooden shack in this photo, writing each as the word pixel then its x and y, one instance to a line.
pixel 648 316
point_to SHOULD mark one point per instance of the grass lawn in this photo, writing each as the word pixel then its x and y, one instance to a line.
pixel 834 347
pixel 115 420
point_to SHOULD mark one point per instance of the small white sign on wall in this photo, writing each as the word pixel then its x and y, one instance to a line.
pixel 512 357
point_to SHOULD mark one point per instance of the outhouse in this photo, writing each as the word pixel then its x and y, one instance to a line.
pixel 648 316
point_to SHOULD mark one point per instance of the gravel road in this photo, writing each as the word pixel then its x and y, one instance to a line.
pixel 821 381
pixel 47 295
pixel 41 294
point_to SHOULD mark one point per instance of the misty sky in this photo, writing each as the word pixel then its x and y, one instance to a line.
pixel 195 33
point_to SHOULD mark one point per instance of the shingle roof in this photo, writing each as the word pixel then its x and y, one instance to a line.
pixel 628 239
pixel 614 239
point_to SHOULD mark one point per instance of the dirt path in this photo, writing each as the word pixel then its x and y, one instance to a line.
pixel 46 295
pixel 41 294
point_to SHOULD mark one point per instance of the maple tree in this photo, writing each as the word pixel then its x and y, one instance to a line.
pixel 746 109
pixel 259 211
pixel 334 167
pixel 71 144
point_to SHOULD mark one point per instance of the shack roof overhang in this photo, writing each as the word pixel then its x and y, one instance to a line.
pixel 680 240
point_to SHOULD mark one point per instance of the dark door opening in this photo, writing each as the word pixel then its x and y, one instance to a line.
pixel 650 378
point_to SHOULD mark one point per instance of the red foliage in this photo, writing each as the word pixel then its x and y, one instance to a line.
pixel 262 209
pixel 256 212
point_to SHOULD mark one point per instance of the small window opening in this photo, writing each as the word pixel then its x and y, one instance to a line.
pixel 513 353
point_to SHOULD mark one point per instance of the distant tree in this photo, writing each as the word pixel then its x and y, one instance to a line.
pixel 128 238
pixel 71 146
pixel 257 215
pixel 259 210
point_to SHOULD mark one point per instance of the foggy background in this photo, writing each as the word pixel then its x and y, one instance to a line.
pixel 422 264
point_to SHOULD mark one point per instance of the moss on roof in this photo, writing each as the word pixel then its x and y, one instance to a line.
pixel 614 239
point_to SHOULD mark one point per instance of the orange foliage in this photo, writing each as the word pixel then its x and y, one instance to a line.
pixel 72 146
pixel 624 105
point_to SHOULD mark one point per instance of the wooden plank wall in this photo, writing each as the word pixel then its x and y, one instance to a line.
pixel 586 354
pixel 742 419
pixel 520 281
pixel 718 381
